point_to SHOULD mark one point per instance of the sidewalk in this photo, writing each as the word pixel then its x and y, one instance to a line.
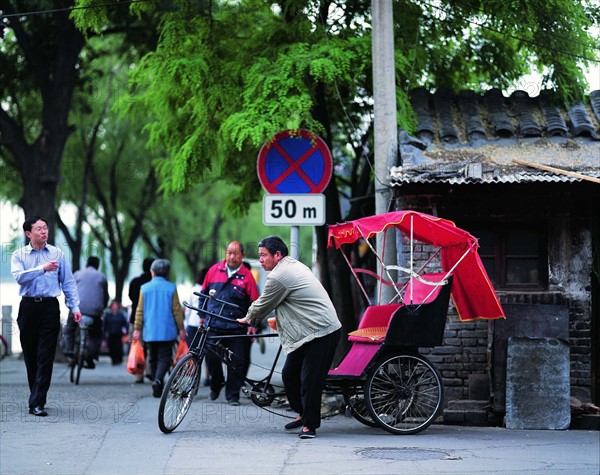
pixel 108 425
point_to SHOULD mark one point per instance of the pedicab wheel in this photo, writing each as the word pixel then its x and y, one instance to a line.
pixel 262 395
pixel 358 407
pixel 404 394
pixel 178 393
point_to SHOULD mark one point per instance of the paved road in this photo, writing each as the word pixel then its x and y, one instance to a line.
pixel 108 425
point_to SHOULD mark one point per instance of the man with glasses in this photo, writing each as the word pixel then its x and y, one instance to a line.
pixel 42 272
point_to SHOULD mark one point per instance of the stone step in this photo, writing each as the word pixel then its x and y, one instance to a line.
pixel 467 411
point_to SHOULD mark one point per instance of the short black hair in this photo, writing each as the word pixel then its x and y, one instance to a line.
pixel 93 261
pixel 274 244
pixel 147 264
pixel 29 222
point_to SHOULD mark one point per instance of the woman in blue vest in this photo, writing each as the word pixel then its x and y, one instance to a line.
pixel 160 316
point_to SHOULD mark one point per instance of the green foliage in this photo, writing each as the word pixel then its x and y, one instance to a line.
pixel 480 44
pixel 225 77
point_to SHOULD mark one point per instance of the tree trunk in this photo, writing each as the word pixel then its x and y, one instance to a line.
pixel 39 176
pixel 53 66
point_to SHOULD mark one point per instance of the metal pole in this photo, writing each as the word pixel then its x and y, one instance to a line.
pixel 385 118
pixel 294 241
pixel 7 326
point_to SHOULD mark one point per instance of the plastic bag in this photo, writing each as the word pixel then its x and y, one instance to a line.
pixel 136 362
pixel 182 350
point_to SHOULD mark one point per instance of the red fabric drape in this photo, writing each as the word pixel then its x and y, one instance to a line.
pixel 472 291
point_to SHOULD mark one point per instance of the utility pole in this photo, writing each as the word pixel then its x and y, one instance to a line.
pixel 386 133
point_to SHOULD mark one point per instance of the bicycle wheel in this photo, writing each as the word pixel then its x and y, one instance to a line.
pixel 355 400
pixel 404 394
pixel 82 354
pixel 179 392
pixel 77 362
pixel 73 368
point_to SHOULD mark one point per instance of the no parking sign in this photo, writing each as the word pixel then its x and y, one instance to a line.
pixel 294 167
pixel 294 161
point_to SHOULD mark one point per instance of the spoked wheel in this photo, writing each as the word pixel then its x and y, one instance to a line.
pixel 355 400
pixel 404 394
pixel 179 392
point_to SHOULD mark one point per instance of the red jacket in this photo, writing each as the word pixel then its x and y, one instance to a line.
pixel 240 290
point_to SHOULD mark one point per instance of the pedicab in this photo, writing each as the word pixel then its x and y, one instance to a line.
pixel 383 378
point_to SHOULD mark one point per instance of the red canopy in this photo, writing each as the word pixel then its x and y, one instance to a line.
pixel 472 291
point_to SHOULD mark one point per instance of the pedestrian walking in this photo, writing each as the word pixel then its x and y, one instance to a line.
pixel 160 316
pixel 134 295
pixel 115 327
pixel 42 272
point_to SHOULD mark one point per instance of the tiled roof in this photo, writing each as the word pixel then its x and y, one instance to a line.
pixel 472 138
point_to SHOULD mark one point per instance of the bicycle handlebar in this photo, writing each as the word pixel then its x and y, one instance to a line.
pixel 228 304
pixel 213 314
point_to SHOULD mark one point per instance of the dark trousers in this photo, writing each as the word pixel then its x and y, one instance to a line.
pixel 161 358
pixel 115 347
pixel 39 325
pixel 304 374
pixel 236 371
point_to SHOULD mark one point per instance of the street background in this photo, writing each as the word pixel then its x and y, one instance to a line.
pixel 108 425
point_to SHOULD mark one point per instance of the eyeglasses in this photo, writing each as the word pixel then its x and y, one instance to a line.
pixel 40 228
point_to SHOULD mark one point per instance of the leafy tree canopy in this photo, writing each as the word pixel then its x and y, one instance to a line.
pixel 226 76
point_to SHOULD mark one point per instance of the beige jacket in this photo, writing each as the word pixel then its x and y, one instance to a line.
pixel 303 308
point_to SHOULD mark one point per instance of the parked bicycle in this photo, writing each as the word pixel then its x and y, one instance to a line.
pixel 80 352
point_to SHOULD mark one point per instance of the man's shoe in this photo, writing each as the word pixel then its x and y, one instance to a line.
pixel 89 363
pixel 215 394
pixel 38 411
pixel 295 424
pixel 157 388
pixel 308 434
pixel 234 402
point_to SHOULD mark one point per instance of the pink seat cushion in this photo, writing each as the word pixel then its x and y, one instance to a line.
pixel 356 360
pixel 378 315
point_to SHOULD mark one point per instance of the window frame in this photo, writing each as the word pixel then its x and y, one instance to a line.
pixel 500 257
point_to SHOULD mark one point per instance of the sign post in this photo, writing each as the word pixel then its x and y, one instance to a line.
pixel 294 167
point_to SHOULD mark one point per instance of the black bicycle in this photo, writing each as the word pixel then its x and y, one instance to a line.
pixel 80 353
pixel 182 384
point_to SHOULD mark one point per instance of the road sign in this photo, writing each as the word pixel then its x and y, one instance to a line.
pixel 307 209
pixel 294 162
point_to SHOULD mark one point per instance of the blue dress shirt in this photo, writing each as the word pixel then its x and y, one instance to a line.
pixel 27 267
